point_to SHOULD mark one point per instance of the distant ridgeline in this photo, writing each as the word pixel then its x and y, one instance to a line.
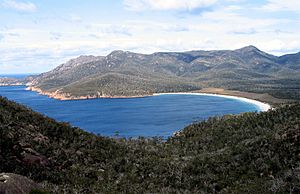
pixel 248 153
pixel 131 74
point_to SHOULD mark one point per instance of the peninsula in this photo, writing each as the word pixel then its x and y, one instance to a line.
pixel 125 74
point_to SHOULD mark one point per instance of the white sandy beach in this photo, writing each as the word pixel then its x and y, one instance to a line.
pixel 262 106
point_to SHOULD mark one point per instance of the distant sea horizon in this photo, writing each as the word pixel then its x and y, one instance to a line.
pixel 17 75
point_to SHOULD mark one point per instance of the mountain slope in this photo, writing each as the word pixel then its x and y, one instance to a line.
pixel 292 61
pixel 129 74
pixel 248 153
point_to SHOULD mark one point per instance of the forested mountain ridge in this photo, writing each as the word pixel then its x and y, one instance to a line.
pixel 252 152
pixel 131 74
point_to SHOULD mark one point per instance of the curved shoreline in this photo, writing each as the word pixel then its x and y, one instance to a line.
pixel 261 105
pixel 59 96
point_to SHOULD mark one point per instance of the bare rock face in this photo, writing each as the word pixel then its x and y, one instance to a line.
pixel 16 184
pixel 5 81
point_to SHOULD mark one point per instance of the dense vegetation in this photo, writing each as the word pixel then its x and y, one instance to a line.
pixel 252 152
pixel 128 74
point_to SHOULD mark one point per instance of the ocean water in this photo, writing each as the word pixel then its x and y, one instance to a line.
pixel 160 115
pixel 17 76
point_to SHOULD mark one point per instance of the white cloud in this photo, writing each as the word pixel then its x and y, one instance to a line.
pixel 229 26
pixel 20 6
pixel 75 18
pixel 280 5
pixel 1 36
pixel 280 46
pixel 139 5
pixel 218 29
pixel 55 35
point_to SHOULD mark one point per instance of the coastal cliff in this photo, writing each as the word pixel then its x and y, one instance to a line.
pixel 59 95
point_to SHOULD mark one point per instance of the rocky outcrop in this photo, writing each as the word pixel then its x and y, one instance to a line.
pixel 16 184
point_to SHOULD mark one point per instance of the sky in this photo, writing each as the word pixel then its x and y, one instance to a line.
pixel 38 35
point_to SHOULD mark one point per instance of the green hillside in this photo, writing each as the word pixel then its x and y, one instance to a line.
pixel 252 152
pixel 128 74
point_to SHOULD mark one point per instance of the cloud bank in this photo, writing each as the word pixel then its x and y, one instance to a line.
pixel 56 30
pixel 281 5
pixel 20 6
pixel 139 5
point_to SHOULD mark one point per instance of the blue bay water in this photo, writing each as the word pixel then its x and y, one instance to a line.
pixel 150 116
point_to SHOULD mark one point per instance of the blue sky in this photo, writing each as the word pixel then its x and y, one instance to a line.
pixel 38 35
